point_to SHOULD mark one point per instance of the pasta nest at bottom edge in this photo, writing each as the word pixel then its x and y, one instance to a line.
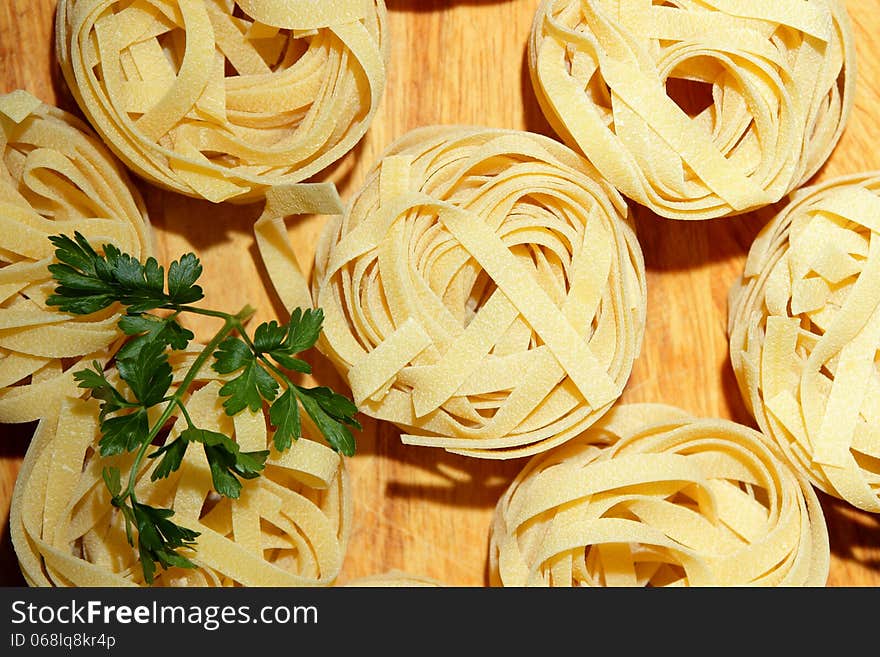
pixel 289 527
pixel 651 496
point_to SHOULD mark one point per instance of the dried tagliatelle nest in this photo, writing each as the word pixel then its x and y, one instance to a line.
pixel 697 110
pixel 652 496
pixel 289 527
pixel 484 291
pixel 55 177
pixel 804 330
pixel 223 99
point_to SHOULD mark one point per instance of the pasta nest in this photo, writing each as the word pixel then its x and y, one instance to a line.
pixel 55 177
pixel 484 291
pixel 804 329
pixel 697 110
pixel 223 99
pixel 289 527
pixel 651 496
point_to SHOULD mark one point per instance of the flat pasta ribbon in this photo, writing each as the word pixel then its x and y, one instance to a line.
pixel 484 291
pixel 651 496
pixel 289 527
pixel 55 177
pixel 697 110
pixel 804 328
pixel 223 100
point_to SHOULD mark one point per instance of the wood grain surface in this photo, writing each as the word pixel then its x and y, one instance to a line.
pixel 422 510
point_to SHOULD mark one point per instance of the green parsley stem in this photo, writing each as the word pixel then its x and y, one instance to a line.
pixel 186 416
pixel 230 324
pixel 250 343
pixel 241 316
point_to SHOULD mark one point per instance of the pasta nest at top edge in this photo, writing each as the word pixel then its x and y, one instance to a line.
pixel 697 110
pixel 223 100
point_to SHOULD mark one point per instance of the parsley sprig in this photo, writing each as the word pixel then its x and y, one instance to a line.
pixel 258 372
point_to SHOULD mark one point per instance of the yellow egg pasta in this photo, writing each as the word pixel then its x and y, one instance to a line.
pixel 273 241
pixel 55 177
pixel 222 100
pixel 484 291
pixel 289 527
pixel 652 496
pixel 804 329
pixel 696 110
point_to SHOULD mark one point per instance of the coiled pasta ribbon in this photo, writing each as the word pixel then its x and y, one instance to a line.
pixel 484 291
pixel 290 526
pixel 222 100
pixel 804 330
pixel 651 496
pixel 55 177
pixel 782 77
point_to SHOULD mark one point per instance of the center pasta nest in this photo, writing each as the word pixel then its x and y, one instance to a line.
pixel 223 99
pixel 289 527
pixel 484 291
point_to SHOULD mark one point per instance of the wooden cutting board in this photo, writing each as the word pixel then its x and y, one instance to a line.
pixel 463 62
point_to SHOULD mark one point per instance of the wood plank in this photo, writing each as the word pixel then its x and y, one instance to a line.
pixel 419 509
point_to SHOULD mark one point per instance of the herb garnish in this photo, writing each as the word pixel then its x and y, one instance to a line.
pixel 87 282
